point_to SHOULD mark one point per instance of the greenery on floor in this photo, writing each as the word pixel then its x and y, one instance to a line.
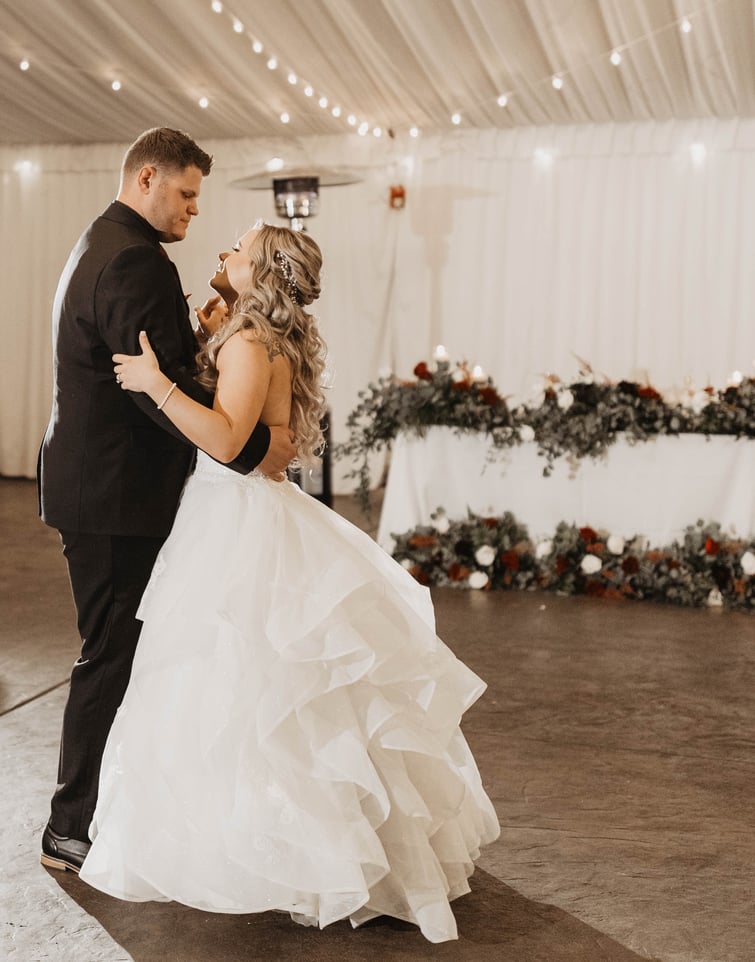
pixel 488 553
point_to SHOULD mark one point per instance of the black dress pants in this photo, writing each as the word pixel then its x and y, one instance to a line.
pixel 108 576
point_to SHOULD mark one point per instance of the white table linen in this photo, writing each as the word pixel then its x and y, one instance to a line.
pixel 654 488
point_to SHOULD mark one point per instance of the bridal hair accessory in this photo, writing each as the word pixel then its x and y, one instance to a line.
pixel 293 291
pixel 171 389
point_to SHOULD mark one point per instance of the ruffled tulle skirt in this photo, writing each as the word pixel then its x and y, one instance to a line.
pixel 290 735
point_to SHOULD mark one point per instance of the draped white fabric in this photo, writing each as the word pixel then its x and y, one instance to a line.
pixel 516 249
pixel 390 63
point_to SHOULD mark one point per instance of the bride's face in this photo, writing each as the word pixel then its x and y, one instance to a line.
pixel 232 273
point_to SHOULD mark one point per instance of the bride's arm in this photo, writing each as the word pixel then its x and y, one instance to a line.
pixel 244 371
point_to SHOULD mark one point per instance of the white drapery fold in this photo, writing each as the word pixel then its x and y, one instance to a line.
pixel 516 249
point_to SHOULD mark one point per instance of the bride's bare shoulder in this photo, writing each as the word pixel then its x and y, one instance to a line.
pixel 246 342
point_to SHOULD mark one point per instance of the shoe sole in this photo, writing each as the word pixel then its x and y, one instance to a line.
pixel 49 862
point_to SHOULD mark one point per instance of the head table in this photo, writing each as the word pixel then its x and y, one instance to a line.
pixel 654 488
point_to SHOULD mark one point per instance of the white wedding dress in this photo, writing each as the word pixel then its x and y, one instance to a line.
pixel 290 735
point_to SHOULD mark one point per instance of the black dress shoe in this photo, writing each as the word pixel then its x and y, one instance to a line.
pixel 60 852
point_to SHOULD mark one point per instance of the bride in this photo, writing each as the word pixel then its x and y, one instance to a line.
pixel 290 735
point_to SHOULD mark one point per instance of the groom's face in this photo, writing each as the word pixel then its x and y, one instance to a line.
pixel 171 201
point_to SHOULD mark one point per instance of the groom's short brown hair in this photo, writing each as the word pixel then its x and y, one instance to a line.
pixel 166 148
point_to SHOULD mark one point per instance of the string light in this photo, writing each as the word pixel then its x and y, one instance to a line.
pixel 285 118
pixel 697 153
pixel 556 80
pixel 24 65
pixel 204 103
pixel 377 132
pixel 543 158
pixel 116 85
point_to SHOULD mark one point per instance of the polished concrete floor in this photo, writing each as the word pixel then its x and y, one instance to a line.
pixel 616 741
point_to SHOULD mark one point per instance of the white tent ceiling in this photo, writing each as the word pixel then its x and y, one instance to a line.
pixel 392 64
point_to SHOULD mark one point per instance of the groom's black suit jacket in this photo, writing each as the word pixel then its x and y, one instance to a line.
pixel 110 462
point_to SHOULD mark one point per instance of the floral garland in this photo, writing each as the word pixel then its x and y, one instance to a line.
pixel 704 568
pixel 578 420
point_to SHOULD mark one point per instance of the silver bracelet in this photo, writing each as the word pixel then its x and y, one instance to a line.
pixel 171 389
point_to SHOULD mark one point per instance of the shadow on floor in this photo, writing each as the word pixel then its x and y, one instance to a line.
pixel 496 924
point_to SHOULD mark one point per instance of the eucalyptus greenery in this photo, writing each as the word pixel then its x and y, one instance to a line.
pixel 579 419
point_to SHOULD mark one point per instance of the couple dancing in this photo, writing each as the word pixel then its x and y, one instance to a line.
pixel 288 732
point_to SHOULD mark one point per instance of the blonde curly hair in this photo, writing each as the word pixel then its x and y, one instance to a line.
pixel 284 277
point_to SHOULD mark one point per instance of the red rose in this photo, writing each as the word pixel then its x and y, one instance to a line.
pixel 594 589
pixel 457 572
pixel 712 547
pixel 419 575
pixel 422 540
pixel 490 522
pixel 461 385
pixel 588 535
pixel 510 560
pixel 630 565
pixel 649 393
pixel 489 395
pixel 562 565
pixel 421 371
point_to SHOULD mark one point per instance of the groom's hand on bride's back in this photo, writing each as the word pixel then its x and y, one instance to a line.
pixel 279 454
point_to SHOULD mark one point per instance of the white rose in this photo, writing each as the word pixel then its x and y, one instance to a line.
pixel 543 549
pixel 591 564
pixel 441 524
pixel 406 563
pixel 748 563
pixel 526 433
pixel 485 555
pixel 715 599
pixel 458 376
pixel 478 579
pixel 699 401
pixel 565 399
pixel 615 544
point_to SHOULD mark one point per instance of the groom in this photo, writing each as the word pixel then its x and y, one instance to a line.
pixel 112 466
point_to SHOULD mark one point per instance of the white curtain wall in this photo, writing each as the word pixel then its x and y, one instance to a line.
pixel 623 244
